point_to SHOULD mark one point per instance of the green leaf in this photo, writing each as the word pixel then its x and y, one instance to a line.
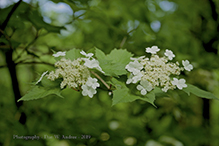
pixel 37 20
pixel 50 84
pixel 14 44
pixel 4 41
pixel 120 56
pixel 112 69
pixel 99 54
pixel 73 54
pixel 44 88
pixel 38 92
pixel 198 92
pixel 4 13
pixel 122 94
pixel 150 97
pixel 22 8
pixel 25 12
pixel 114 63
pixel 73 5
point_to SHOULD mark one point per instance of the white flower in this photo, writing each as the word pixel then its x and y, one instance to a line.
pixel 137 77
pixel 89 55
pixel 179 83
pixel 41 77
pixel 92 82
pixel 59 54
pixel 88 90
pixel 156 71
pixel 134 78
pixel 165 89
pixel 169 54
pixel 187 65
pixel 152 50
pixel 129 81
pixel 144 87
pixel 89 87
pixel 92 64
pixel 141 88
pixel 134 67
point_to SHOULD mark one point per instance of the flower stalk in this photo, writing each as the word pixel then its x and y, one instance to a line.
pixel 96 75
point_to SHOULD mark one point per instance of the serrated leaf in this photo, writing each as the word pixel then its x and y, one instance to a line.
pixel 120 56
pixel 44 88
pixel 99 54
pixel 46 83
pixel 112 69
pixel 73 54
pixel 38 92
pixel 198 92
pixel 122 94
pixel 150 97
pixel 114 63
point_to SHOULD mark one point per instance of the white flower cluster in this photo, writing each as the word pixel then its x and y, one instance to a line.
pixel 76 73
pixel 156 71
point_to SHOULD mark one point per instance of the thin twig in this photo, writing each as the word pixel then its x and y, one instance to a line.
pixel 26 48
pixel 125 37
pixel 2 66
pixel 18 63
pixel 45 63
pixel 123 41
pixel 7 37
pixel 5 46
pixel 107 86
pixel 75 89
pixel 132 30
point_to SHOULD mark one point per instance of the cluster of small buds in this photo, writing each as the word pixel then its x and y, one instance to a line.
pixel 156 71
pixel 76 73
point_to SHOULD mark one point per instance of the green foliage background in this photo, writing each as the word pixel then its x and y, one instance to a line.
pixel 190 29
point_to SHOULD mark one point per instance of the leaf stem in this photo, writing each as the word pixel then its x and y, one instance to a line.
pixel 107 86
pixel 75 89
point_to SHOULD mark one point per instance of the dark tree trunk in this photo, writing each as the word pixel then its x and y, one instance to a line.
pixel 206 112
pixel 14 82
pixel 206 120
pixel 12 66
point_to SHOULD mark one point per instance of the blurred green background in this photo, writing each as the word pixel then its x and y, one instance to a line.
pixel 31 29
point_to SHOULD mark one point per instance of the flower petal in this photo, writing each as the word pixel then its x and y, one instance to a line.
pixel 60 53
